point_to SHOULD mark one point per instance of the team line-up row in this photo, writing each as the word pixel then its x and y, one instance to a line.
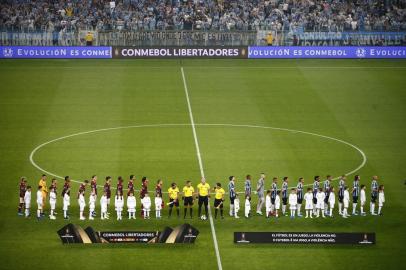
pixel 318 200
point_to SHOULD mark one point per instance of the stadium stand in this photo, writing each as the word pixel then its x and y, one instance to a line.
pixel 220 15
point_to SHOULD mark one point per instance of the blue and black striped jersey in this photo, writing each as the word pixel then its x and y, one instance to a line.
pixel 299 188
pixel 247 187
pixel 231 189
pixel 355 189
pixel 274 190
pixel 284 189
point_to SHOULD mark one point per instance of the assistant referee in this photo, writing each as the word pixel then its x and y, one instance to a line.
pixel 188 191
pixel 204 193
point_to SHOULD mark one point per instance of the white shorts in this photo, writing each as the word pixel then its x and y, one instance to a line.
pixel 104 209
pixel 82 207
pixel 52 206
pixel 380 204
pixel 158 208
pixel 320 205
pixel 363 203
pixel 21 199
pixel 27 205
pixel 292 207
pixel 331 205
pixel 39 206
pixel 346 203
pixel 131 210
pixel 277 206
pixel 119 208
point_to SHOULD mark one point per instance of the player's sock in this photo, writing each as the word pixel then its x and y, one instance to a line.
pixel 206 211
pixel 322 212
pixel 362 209
pixel 38 213
pixel 177 212
pixel 379 210
pixel 191 212
pixel 170 212
pixel 373 208
pixel 184 212
pixel 221 212
pixel 340 206
pixel 283 209
pixel 27 212
pixel 215 212
pixel 354 207
pixel 331 212
pixel 298 209
pixel 199 211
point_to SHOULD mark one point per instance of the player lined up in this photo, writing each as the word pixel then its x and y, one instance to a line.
pixel 318 201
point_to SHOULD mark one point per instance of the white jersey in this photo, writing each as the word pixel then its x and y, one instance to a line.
pixel 332 199
pixel 92 202
pixel 27 199
pixel 52 199
pixel 292 201
pixel 82 202
pixel 146 203
pixel 236 204
pixel 247 205
pixel 158 203
pixel 66 201
pixel 39 197
pixel 309 200
pixel 346 199
pixel 320 196
pixel 363 197
pixel 119 202
pixel 103 203
pixel 131 203
pixel 277 202
pixel 268 203
pixel 381 198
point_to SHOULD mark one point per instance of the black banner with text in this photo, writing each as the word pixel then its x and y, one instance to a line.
pixel 303 238
pixel 180 52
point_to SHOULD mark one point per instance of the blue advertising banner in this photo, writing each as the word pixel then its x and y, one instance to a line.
pixel 54 52
pixel 326 52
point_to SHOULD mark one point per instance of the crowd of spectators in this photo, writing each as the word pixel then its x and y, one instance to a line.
pixel 220 15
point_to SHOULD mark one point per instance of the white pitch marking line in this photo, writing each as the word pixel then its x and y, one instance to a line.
pixel 199 158
pixel 33 152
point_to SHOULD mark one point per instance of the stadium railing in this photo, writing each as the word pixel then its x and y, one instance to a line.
pixel 203 38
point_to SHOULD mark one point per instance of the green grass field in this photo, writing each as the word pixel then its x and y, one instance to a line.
pixel 360 102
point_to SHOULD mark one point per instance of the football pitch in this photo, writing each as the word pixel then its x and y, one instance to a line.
pixel 176 120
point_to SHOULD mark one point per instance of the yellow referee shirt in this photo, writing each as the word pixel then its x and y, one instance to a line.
pixel 219 193
pixel 173 193
pixel 203 189
pixel 188 191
